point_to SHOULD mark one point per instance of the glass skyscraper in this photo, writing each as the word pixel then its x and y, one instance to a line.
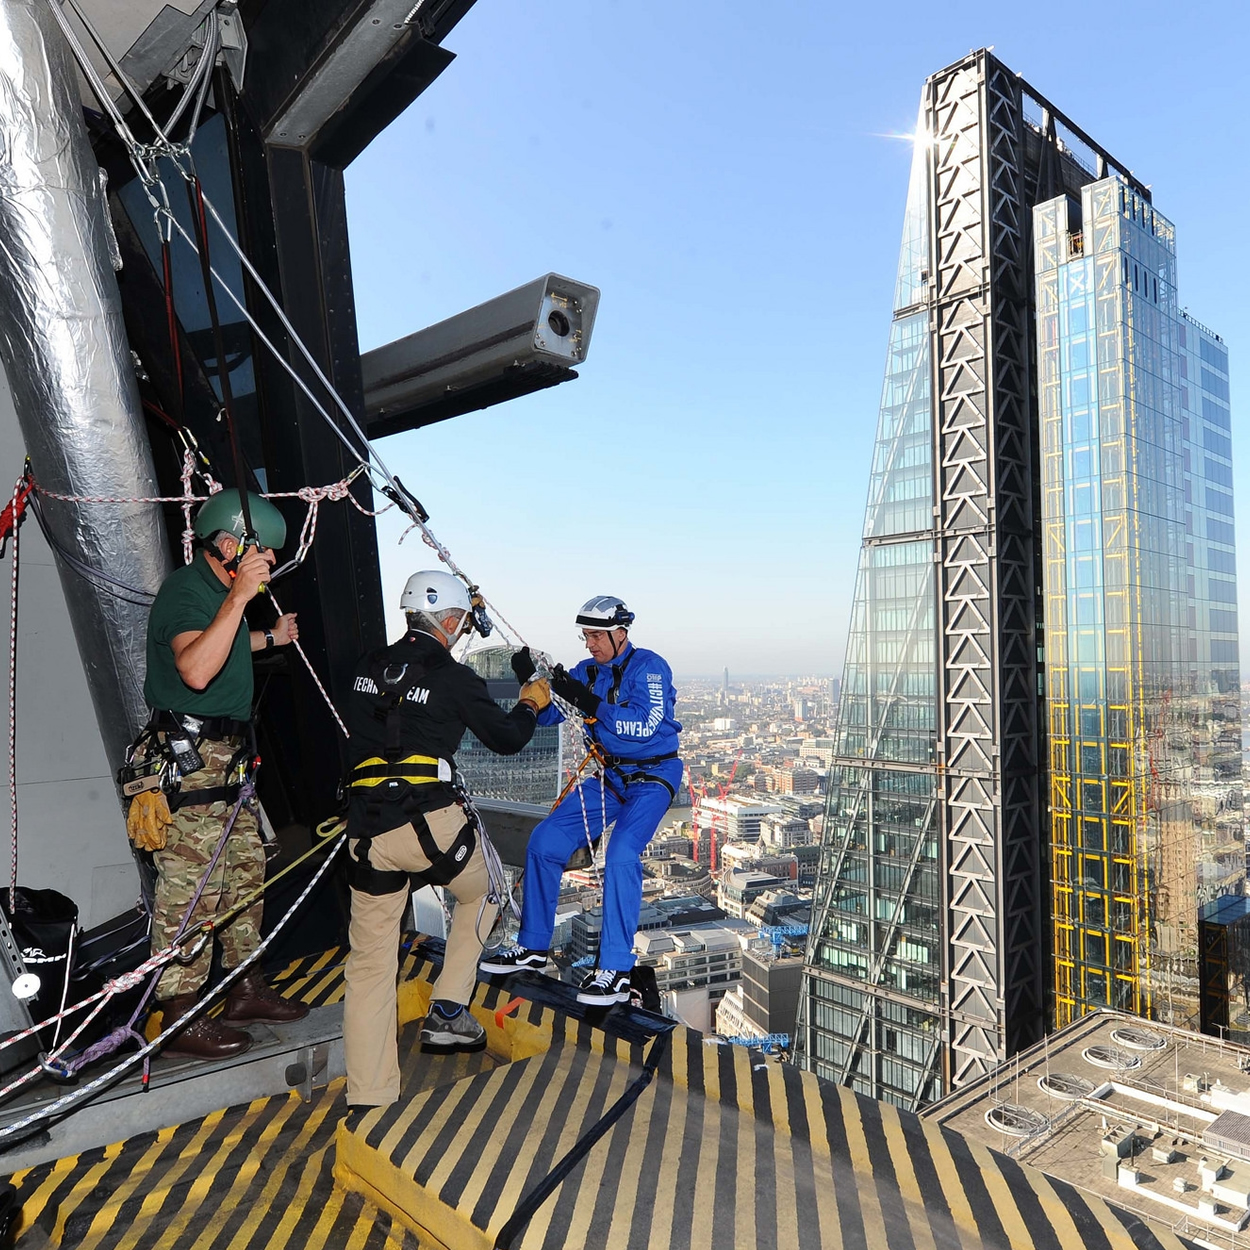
pixel 1036 782
pixel 1142 689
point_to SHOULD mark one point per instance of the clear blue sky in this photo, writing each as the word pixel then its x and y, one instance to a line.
pixel 717 169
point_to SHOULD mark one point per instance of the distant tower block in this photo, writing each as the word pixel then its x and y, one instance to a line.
pixel 1052 464
pixel 724 681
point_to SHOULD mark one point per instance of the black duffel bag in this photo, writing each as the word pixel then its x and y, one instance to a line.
pixel 45 926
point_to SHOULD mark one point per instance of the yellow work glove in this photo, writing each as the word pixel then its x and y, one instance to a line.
pixel 536 693
pixel 148 819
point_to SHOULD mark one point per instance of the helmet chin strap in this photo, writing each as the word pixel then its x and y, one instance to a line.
pixel 240 547
pixel 453 637
pixel 232 565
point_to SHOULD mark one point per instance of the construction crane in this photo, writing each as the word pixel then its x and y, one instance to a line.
pixel 694 818
pixel 780 934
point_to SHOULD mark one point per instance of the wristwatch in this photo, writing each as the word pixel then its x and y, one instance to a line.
pixel 269 640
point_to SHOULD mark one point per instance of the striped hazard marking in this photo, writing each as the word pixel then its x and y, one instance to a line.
pixel 251 1176
pixel 721 1149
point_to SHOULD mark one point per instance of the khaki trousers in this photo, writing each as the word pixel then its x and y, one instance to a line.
pixel 369 1015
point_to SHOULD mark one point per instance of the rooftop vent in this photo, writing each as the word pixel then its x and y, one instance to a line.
pixel 1015 1120
pixel 1138 1039
pixel 1065 1085
pixel 1110 1057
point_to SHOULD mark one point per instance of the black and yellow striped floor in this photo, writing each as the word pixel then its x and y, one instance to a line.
pixel 251 1176
pixel 720 1149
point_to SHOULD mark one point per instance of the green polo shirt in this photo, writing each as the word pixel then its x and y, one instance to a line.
pixel 188 600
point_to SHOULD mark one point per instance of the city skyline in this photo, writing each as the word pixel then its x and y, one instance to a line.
pixel 746 260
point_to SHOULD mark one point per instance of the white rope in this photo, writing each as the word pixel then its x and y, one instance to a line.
pixel 189 470
pixel 590 845
pixel 184 948
pixel 314 496
pixel 17 490
pixel 311 671
pixel 118 985
pixel 498 891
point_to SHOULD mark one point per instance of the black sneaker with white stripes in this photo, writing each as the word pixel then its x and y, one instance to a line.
pixel 604 987
pixel 513 959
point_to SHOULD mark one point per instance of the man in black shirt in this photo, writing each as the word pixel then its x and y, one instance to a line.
pixel 410 705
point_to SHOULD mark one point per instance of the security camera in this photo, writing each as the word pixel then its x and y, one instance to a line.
pixel 511 345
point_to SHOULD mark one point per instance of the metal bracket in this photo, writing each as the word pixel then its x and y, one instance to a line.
pixel 233 41
pixel 309 1072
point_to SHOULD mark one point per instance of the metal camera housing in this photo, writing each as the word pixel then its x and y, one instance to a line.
pixel 522 341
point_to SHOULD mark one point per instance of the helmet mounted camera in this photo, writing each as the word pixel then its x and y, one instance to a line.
pixel 605 612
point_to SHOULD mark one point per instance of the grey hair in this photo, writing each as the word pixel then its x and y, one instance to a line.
pixel 428 622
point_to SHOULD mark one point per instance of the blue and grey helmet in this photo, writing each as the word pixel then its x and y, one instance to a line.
pixel 604 612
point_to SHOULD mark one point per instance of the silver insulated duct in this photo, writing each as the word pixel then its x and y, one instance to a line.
pixel 64 348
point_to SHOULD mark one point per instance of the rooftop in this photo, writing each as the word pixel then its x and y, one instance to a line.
pixel 577 1128
pixel 1151 1118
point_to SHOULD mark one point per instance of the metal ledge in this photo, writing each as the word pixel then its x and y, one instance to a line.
pixel 303 1056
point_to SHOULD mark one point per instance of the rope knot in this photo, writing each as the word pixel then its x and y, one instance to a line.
pixel 127 981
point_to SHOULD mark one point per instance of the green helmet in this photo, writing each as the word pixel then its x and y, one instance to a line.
pixel 224 512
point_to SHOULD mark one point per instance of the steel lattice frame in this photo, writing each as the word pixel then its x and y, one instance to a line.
pixel 988 734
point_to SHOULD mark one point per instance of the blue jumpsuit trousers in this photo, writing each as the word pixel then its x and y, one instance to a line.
pixel 555 839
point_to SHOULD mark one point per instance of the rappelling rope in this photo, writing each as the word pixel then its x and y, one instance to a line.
pixel 314 496
pixel 144 159
pixel 577 779
pixel 17 490
pixel 213 486
pixel 312 672
pixel 183 949
pixel 497 888
pixel 178 950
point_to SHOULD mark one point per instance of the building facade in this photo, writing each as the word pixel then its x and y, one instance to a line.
pixel 534 774
pixel 736 819
pixel 1139 577
pixel 940 913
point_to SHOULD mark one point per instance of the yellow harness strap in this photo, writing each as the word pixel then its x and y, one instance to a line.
pixel 417 770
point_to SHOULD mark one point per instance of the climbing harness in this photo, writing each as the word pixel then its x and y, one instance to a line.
pixel 397 778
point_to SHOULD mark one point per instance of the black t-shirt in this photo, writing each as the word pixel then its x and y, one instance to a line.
pixel 444 700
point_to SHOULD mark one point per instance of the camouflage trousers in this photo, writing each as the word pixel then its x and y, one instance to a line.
pixel 239 872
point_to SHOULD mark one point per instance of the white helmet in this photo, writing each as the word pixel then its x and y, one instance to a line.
pixel 604 612
pixel 435 592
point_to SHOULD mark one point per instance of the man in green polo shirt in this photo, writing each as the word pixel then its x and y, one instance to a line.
pixel 199 685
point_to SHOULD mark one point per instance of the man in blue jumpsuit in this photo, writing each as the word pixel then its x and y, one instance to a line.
pixel 626 695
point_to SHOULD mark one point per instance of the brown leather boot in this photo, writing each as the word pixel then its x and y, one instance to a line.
pixel 251 1001
pixel 202 1038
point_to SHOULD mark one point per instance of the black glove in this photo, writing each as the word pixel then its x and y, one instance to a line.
pixel 575 692
pixel 523 665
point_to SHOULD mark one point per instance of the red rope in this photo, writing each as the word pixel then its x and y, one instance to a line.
pixel 15 508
